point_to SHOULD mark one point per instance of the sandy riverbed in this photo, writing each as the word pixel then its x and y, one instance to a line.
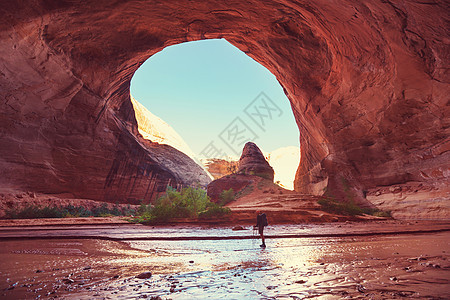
pixel 378 267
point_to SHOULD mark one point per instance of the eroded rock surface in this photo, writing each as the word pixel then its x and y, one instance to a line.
pixel 157 130
pixel 368 84
pixel 237 182
pixel 251 168
pixel 284 162
pixel 253 162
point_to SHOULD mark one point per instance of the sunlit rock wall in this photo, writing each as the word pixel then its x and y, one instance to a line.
pixel 156 130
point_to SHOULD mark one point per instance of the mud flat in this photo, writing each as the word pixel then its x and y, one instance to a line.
pixel 354 260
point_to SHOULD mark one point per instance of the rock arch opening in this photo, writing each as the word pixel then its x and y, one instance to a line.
pixel 367 82
pixel 215 99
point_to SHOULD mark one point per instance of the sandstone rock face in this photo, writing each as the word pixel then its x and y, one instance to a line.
pixel 368 83
pixel 284 161
pixel 252 166
pixel 237 182
pixel 154 129
pixel 252 162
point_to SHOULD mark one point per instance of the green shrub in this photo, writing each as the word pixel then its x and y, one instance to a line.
pixel 214 211
pixel 264 175
pixel 350 208
pixel 143 209
pixel 382 213
pixel 184 204
pixel 34 212
pixel 189 203
pixel 343 208
pixel 146 217
pixel 226 197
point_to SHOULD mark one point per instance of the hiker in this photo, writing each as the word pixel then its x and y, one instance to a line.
pixel 261 222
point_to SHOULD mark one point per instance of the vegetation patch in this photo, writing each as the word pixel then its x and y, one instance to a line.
pixel 350 208
pixel 190 203
pixel 381 213
pixel 226 197
pixel 69 211
pixel 214 211
pixel 341 208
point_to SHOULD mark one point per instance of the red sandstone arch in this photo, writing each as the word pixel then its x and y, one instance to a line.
pixel 368 85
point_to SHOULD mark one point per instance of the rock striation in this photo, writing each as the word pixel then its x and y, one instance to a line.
pixel 252 166
pixel 237 182
pixel 253 162
pixel 155 129
pixel 368 84
pixel 284 161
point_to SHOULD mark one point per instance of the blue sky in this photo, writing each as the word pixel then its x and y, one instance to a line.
pixel 202 89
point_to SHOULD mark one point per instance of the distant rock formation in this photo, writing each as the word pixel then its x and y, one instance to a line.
pixel 218 167
pixel 251 165
pixel 253 162
pixel 284 161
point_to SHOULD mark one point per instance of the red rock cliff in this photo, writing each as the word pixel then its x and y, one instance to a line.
pixel 367 81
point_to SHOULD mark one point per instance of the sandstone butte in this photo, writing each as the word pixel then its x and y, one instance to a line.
pixel 284 161
pixel 252 162
pixel 368 84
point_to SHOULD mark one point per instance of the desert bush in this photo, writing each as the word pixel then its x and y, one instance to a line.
pixel 185 204
pixel 350 208
pixel 226 196
pixel 342 208
pixel 382 213
pixel 34 212
pixel 69 211
pixel 214 211
pixel 188 203
pixel 245 191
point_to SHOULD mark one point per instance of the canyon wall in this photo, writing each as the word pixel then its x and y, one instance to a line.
pixel 157 130
pixel 367 80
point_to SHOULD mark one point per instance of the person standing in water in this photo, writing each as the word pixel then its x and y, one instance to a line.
pixel 261 222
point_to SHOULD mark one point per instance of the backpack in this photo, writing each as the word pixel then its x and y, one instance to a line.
pixel 264 220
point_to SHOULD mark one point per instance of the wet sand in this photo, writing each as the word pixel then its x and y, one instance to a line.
pixel 390 266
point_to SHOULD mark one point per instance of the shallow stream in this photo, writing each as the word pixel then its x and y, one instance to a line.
pixel 376 267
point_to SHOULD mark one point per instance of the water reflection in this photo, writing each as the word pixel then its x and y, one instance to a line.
pixel 299 268
pixel 391 267
pixel 237 269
